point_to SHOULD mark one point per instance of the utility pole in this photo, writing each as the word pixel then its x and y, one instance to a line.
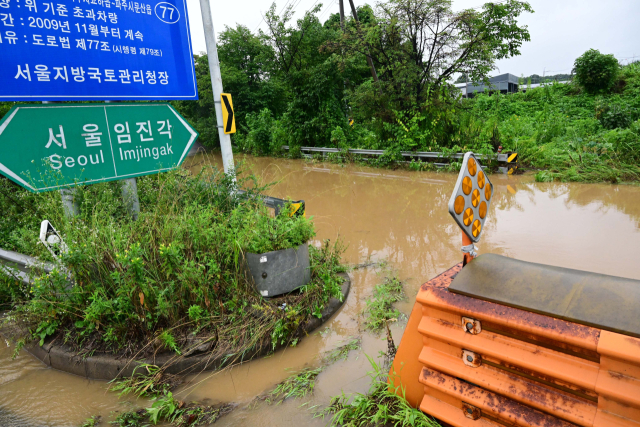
pixel 342 15
pixel 216 85
pixel 369 60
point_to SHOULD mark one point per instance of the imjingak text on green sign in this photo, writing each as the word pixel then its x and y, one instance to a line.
pixel 46 147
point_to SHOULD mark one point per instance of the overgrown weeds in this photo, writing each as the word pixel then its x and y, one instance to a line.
pixel 172 280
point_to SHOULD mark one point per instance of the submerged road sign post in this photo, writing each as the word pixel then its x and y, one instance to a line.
pixel 63 145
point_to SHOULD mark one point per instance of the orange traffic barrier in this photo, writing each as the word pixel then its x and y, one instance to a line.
pixel 470 362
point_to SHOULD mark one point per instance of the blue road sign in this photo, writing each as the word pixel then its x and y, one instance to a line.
pixel 60 50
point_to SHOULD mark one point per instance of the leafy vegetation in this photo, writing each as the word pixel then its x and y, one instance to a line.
pixel 169 411
pixel 595 72
pixel 302 383
pixel 92 421
pixel 299 83
pixel 379 308
pixel 296 386
pixel 382 405
pixel 171 280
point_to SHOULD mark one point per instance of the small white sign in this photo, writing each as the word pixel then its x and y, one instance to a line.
pixel 263 259
pixel 264 293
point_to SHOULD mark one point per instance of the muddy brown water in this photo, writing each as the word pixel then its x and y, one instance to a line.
pixel 397 216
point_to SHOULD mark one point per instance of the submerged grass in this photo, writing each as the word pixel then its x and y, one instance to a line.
pixel 169 411
pixel 382 405
pixel 302 383
pixel 380 308
pixel 296 386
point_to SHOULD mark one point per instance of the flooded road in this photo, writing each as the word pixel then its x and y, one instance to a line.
pixel 397 216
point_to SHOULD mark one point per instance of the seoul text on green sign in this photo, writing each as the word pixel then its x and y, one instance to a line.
pixel 46 147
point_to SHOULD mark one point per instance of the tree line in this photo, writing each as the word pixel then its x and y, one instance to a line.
pixel 386 68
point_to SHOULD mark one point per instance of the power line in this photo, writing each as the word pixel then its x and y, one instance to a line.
pixel 280 13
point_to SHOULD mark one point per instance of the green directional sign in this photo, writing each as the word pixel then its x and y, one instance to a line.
pixel 47 147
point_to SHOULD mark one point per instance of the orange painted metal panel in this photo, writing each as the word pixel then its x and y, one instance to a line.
pixel 548 362
pixel 491 404
pixel 527 369
pixel 556 402
pixel 452 415
pixel 406 367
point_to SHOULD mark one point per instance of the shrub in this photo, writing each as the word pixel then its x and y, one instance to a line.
pixel 173 272
pixel 596 72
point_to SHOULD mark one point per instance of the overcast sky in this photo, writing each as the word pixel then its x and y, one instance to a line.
pixel 561 30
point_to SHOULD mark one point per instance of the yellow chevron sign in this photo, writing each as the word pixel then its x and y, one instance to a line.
pixel 228 118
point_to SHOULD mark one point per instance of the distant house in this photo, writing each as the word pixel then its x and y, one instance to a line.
pixel 505 83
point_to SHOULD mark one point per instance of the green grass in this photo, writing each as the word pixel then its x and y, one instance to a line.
pixel 147 380
pixel 92 421
pixel 302 383
pixel 296 386
pixel 341 352
pixel 380 406
pixel 169 411
pixel 170 279
pixel 379 309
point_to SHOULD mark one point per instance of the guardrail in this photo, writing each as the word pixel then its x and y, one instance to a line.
pixel 18 265
pixel 507 161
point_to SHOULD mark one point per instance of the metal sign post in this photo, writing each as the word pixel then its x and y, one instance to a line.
pixel 216 84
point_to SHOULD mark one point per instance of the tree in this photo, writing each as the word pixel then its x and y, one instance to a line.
pixel 596 72
pixel 420 44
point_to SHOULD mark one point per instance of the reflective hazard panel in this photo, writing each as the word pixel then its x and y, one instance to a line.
pixel 471 198
pixel 228 118
pixel 512 163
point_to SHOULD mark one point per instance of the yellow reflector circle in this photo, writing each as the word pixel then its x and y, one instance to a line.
pixel 467 184
pixel 475 229
pixel 483 210
pixel 475 198
pixel 467 217
pixel 487 192
pixel 480 179
pixel 471 164
pixel 458 206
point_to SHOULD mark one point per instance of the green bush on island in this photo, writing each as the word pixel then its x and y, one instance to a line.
pixel 173 278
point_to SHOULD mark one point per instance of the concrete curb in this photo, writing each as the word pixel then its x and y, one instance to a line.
pixel 108 367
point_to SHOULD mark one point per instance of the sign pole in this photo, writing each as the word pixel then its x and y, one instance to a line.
pixel 129 188
pixel 216 84
pixel 69 206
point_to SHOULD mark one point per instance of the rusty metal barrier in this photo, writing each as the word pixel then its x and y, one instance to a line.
pixel 470 362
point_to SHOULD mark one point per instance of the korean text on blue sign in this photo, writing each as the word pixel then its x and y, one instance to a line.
pixel 57 50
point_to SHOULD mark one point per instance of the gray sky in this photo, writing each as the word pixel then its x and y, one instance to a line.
pixel 561 30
